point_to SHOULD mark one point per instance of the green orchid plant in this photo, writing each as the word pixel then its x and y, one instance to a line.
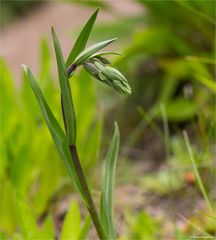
pixel 99 67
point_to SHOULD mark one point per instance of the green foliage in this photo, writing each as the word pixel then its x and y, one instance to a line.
pixel 88 132
pixel 71 225
pixel 163 182
pixel 85 228
pixel 172 65
pixel 120 29
pixel 189 108
pixel 46 174
pixel 88 52
pixel 142 226
pixel 67 148
pixel 82 39
pixel 47 231
pixel 27 222
pixel 110 76
pixel 35 169
pixel 72 228
pixel 7 222
pixel 66 98
pixel 168 57
pixel 57 133
pixel 198 178
pixel 11 10
pixel 108 178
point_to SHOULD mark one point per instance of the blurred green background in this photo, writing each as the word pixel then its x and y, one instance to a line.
pixel 169 61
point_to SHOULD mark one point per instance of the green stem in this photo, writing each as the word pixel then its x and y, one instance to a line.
pixel 75 158
pixel 91 206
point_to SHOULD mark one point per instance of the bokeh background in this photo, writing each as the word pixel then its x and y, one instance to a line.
pixel 165 188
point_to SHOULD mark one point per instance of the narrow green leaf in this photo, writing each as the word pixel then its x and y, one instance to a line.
pixel 81 41
pixel 88 52
pixel 55 130
pixel 207 82
pixel 16 236
pixel 104 214
pixel 85 228
pixel 196 171
pixel 108 181
pixel 47 231
pixel 26 219
pixel 71 225
pixel 99 54
pixel 8 205
pixel 65 92
pixel 188 109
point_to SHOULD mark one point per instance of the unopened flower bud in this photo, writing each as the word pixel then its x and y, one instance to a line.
pixel 108 75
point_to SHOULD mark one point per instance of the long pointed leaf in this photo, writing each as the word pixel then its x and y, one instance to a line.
pixel 88 52
pixel 81 41
pixel 104 215
pixel 71 226
pixel 55 129
pixel 108 184
pixel 47 231
pixel 65 92
pixel 85 228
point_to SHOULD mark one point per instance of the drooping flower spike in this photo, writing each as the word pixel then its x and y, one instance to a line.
pixel 97 65
pixel 99 68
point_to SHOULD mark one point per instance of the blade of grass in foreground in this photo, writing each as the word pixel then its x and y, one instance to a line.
pixel 72 221
pixel 108 180
pixel 55 129
pixel 26 219
pixel 85 228
pixel 65 93
pixel 195 169
pixel 82 39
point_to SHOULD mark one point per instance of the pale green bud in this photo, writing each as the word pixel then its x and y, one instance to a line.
pixel 108 75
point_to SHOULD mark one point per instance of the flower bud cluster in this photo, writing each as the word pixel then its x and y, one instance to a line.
pixel 99 68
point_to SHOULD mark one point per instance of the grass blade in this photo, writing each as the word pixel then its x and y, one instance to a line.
pixel 108 184
pixel 65 92
pixel 88 52
pixel 56 131
pixel 85 228
pixel 26 219
pixel 81 41
pixel 195 169
pixel 71 225
pixel 47 231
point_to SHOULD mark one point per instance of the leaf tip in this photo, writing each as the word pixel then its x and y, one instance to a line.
pixel 114 39
pixel 25 67
pixel 53 31
pixel 96 11
pixel 116 127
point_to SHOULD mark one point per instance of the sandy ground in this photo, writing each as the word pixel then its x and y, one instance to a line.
pixel 20 40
